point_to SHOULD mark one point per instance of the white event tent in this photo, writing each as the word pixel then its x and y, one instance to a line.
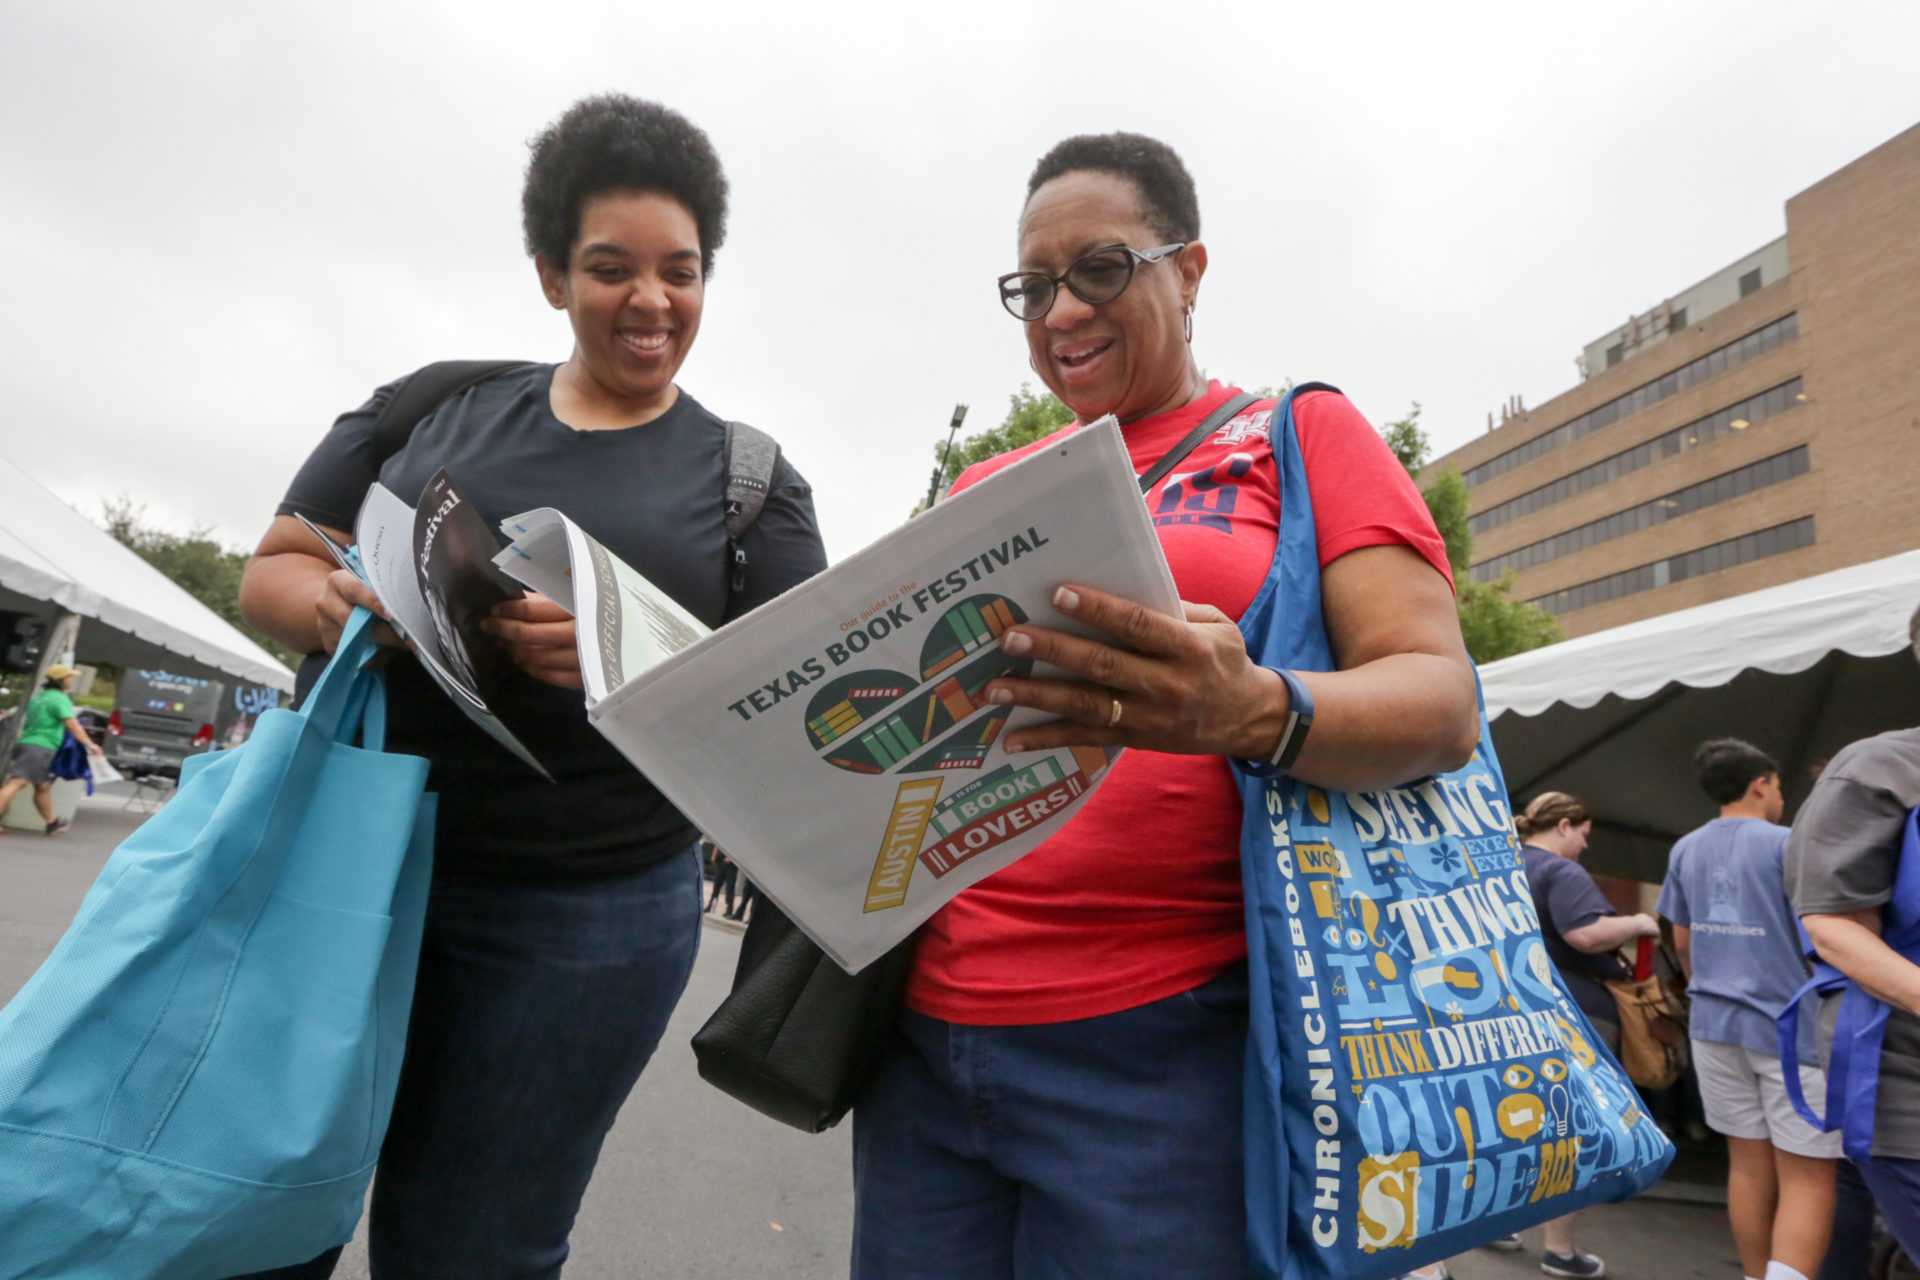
pixel 52 560
pixel 1799 670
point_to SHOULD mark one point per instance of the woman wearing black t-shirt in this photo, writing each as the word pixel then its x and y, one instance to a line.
pixel 564 916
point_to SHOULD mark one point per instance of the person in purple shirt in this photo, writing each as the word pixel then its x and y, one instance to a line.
pixel 1741 951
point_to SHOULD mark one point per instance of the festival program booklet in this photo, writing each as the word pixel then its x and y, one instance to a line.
pixel 433 570
pixel 836 741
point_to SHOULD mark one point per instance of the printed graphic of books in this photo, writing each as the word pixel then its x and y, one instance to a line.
pixel 1001 787
pixel 1006 804
pixel 852 716
pixel 870 691
pixel 885 721
pixel 963 629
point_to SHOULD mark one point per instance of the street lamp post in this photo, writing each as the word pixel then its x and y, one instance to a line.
pixel 940 471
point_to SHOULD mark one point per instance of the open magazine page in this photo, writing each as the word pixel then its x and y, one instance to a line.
pixel 453 550
pixel 626 624
pixel 836 741
pixel 384 536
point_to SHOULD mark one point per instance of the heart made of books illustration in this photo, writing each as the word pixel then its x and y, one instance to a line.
pixel 879 721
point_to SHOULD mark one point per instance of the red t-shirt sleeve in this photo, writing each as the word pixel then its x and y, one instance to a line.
pixel 1362 496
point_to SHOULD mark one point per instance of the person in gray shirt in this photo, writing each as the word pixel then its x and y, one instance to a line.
pixel 1840 864
pixel 1735 933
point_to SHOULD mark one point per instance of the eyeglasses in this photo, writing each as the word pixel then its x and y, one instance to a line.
pixel 1100 276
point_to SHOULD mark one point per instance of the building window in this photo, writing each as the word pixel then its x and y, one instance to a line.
pixel 1616 353
pixel 1689 436
pixel 1715 362
pixel 1677 320
pixel 1722 488
pixel 1778 540
pixel 1750 282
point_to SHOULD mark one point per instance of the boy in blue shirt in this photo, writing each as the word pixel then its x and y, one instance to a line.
pixel 1740 948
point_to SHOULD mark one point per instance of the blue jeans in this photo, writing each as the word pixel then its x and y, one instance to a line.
pixel 536 1008
pixel 1106 1147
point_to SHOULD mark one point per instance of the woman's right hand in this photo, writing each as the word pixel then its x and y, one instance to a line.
pixel 340 592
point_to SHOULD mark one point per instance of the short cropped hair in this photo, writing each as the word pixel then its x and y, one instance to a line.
pixel 611 142
pixel 1728 766
pixel 1166 189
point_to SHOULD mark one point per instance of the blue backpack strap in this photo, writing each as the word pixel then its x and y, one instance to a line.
pixel 1860 1028
pixel 1283 625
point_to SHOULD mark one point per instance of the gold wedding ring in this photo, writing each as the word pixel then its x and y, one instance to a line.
pixel 1114 718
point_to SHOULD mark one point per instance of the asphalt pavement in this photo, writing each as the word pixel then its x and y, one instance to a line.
pixel 693 1186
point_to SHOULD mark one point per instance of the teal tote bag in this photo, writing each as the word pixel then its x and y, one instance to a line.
pixel 1419 1081
pixel 197 1081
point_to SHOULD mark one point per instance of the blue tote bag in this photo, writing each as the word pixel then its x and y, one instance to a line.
pixel 1860 1023
pixel 1418 1080
pixel 196 1082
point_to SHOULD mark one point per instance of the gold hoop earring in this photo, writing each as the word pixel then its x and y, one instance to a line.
pixel 1186 320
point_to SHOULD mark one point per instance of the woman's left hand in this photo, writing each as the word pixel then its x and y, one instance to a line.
pixel 1182 685
pixel 539 637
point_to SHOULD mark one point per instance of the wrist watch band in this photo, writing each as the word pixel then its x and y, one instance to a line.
pixel 1299 720
pixel 1293 734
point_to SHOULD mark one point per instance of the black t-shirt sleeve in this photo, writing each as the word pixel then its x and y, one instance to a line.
pixel 332 482
pixel 783 545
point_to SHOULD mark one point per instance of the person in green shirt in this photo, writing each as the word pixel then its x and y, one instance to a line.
pixel 47 720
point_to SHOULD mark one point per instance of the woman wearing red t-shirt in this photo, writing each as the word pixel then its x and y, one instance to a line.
pixel 1063 1096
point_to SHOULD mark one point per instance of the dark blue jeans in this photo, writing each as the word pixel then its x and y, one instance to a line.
pixel 1105 1147
pixel 536 1008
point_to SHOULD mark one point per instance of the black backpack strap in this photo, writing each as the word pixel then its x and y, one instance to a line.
pixel 423 391
pixel 1208 425
pixel 752 455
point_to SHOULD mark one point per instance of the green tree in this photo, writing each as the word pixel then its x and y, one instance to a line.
pixel 1029 417
pixel 1447 503
pixel 1496 626
pixel 195 562
pixel 1408 441
pixel 1493 623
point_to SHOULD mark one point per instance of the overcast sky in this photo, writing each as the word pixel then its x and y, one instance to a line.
pixel 223 224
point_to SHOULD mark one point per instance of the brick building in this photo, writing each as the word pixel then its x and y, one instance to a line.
pixel 1759 427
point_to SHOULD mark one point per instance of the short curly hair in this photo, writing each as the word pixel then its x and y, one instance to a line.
pixel 612 142
pixel 1166 188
